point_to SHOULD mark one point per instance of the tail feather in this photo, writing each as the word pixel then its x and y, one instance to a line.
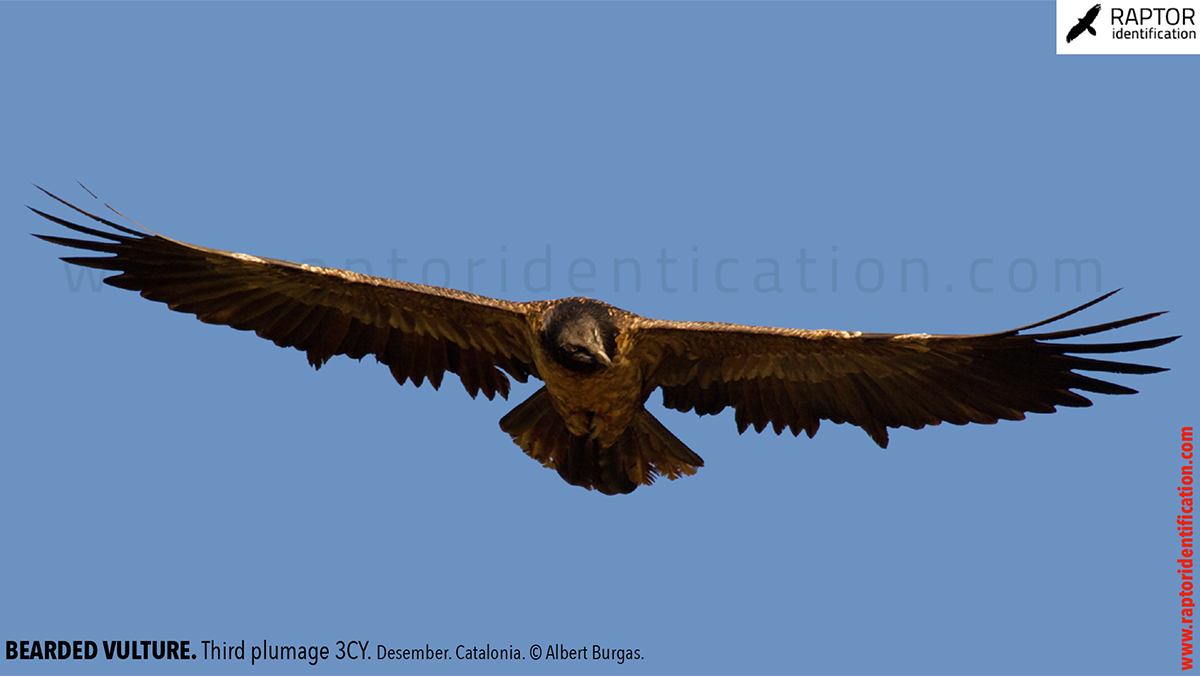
pixel 645 451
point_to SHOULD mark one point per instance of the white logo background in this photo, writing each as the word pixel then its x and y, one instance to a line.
pixel 1184 13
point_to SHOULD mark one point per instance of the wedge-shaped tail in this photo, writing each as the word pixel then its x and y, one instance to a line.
pixel 647 449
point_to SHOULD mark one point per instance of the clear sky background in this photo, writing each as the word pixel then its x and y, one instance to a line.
pixel 165 479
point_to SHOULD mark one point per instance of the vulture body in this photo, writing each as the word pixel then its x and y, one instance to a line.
pixel 600 363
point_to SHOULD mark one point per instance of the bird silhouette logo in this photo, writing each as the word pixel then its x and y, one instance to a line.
pixel 1085 24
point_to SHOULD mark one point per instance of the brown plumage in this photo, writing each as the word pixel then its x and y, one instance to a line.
pixel 600 363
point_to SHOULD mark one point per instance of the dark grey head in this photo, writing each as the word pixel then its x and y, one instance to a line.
pixel 580 334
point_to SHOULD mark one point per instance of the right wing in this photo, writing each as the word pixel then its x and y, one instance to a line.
pixel 792 378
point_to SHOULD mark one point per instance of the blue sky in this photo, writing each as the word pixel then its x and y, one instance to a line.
pixel 164 479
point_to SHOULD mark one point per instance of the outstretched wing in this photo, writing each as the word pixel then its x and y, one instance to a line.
pixel 790 378
pixel 418 331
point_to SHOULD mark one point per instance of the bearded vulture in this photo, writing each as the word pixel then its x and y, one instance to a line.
pixel 599 364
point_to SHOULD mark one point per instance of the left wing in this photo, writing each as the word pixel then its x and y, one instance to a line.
pixel 791 378
pixel 418 331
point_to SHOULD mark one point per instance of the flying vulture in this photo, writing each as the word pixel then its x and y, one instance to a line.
pixel 1085 24
pixel 600 363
